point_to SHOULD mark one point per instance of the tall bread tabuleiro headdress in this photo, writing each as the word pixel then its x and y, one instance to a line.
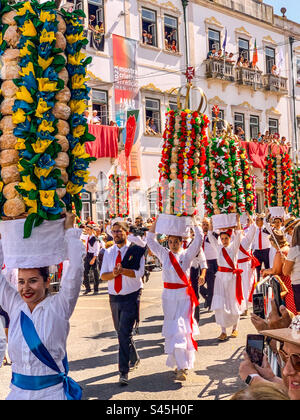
pixel 182 165
pixel 43 162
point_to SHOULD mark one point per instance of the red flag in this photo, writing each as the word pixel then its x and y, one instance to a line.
pixel 255 56
pixel 130 133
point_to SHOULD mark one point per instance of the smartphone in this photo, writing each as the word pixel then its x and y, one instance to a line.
pixel 259 305
pixel 276 294
pixel 255 348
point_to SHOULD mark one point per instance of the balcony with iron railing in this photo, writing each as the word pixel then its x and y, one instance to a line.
pixel 244 76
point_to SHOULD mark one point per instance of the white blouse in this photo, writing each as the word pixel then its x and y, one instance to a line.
pixel 232 249
pixel 184 257
pixel 51 320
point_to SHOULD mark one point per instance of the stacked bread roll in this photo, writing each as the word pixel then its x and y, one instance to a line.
pixel 9 156
pixel 39 139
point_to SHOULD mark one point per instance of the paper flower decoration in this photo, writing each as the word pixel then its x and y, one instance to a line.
pixel 278 180
pixel 182 161
pixel 118 196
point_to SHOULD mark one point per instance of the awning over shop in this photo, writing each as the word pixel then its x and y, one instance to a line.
pixel 257 152
pixel 106 143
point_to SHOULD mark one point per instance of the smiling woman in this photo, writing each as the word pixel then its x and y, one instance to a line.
pixel 39 326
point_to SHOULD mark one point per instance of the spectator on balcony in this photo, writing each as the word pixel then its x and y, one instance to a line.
pixel 274 70
pixel 240 61
pixel 174 46
pixel 153 126
pixel 219 54
pixel 240 133
pixel 149 130
pixel 246 63
pixel 87 116
pixel 95 118
pixel 145 36
pixel 211 53
pixel 229 58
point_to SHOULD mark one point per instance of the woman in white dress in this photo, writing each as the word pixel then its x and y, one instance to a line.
pixel 40 323
pixel 178 300
pixel 227 296
pixel 248 263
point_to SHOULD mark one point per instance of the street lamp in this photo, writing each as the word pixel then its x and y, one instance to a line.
pixel 184 5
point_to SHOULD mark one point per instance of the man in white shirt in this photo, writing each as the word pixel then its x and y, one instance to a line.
pixel 212 265
pixel 91 260
pixel 261 245
pixel 123 267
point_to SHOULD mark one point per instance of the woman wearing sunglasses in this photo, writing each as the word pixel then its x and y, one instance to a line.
pixel 288 357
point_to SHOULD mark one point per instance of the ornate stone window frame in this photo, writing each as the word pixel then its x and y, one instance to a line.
pixel 247 109
pixel 274 114
pixel 161 9
pixel 213 23
pixel 244 34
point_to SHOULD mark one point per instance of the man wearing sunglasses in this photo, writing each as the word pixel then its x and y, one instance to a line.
pixel 123 267
pixel 288 357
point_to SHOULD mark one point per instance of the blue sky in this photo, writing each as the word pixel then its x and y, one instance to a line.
pixel 292 6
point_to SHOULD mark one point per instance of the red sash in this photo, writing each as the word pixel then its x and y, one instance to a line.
pixel 254 261
pixel 237 272
pixel 190 291
pixel 174 286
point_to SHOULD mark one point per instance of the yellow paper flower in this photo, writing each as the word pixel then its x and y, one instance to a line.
pixel 46 16
pixel 72 188
pixel 76 59
pixel 25 7
pixel 77 107
pixel 27 184
pixel 47 36
pixel 79 131
pixel 78 81
pixel 46 126
pixel 42 172
pixel 20 145
pixel 71 39
pixel 28 29
pixel 47 198
pixel 1 185
pixel 23 94
pixel 79 151
pixel 25 51
pixel 82 174
pixel 27 70
pixel 40 146
pixel 32 204
pixel 45 85
pixel 19 116
pixel 41 108
pixel 45 63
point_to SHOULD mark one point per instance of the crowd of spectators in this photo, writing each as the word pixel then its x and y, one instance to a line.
pixel 151 127
pixel 267 138
pixel 240 62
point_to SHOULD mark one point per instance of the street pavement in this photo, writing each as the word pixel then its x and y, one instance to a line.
pixel 93 354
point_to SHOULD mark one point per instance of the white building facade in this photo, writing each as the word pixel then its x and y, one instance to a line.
pixel 249 98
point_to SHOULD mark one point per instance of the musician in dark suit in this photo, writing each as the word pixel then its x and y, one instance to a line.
pixel 123 267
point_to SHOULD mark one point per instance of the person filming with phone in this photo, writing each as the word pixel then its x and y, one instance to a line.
pixel 288 356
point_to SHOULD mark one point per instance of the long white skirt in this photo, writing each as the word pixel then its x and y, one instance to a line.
pixel 55 392
pixel 248 278
pixel 177 332
pixel 224 303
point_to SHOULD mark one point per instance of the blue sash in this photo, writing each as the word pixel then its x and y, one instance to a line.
pixel 35 383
